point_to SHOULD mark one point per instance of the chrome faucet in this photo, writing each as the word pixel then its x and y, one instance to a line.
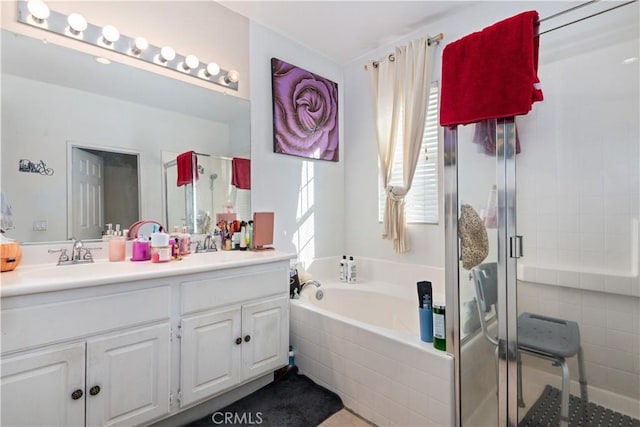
pixel 207 245
pixel 310 282
pixel 319 292
pixel 76 254
pixel 79 253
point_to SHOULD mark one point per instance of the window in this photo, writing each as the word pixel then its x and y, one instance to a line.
pixel 421 203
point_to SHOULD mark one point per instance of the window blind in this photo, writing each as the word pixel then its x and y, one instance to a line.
pixel 421 203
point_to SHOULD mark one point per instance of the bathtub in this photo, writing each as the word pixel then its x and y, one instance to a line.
pixel 362 341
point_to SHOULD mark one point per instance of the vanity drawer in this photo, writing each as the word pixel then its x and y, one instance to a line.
pixel 36 325
pixel 206 293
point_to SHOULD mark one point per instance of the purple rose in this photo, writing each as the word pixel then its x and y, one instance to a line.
pixel 305 110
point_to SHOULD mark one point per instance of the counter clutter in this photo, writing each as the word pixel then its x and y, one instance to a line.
pixel 35 278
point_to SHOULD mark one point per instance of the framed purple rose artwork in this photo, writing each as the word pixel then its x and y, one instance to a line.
pixel 305 113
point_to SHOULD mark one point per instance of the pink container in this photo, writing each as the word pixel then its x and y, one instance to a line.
pixel 141 250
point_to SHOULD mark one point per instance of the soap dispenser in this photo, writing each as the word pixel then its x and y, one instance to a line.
pixel 108 234
pixel 117 245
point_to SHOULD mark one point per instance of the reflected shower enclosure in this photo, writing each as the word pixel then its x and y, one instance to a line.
pixel 195 206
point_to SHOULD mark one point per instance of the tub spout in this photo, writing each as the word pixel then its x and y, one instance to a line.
pixel 309 282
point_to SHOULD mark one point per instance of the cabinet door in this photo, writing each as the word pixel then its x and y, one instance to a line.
pixel 38 388
pixel 128 376
pixel 265 333
pixel 210 354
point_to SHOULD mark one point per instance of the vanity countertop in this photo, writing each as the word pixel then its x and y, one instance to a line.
pixel 50 277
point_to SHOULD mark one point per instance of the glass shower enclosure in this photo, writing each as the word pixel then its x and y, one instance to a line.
pixel 557 195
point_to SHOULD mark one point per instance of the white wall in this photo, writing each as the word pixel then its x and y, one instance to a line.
pixel 307 196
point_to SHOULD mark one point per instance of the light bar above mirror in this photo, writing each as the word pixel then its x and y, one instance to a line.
pixel 37 14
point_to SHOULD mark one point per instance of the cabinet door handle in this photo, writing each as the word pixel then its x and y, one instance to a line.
pixel 247 338
pixel 238 341
pixel 94 390
pixel 77 394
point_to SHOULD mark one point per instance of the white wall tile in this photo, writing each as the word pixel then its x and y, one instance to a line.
pixel 591 222
pixel 621 341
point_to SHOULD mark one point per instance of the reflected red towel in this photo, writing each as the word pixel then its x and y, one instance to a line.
pixel 184 168
pixel 492 73
pixel 241 173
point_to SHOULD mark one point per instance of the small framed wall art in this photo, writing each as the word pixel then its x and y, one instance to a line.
pixel 305 113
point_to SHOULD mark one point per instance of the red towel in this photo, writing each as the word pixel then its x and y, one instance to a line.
pixel 492 73
pixel 185 171
pixel 241 173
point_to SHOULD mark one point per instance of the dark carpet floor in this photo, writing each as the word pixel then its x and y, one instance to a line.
pixel 546 412
pixel 291 401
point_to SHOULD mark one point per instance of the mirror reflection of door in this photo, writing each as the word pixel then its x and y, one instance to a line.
pixel 96 176
pixel 88 195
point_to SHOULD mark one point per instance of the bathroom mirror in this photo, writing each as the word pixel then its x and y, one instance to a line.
pixel 54 98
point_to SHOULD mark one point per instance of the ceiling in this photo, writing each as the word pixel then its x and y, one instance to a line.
pixel 344 30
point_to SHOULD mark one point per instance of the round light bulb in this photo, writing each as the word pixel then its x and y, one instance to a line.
pixel 77 23
pixel 139 44
pixel 167 54
pixel 38 10
pixel 191 62
pixel 212 69
pixel 110 34
pixel 232 76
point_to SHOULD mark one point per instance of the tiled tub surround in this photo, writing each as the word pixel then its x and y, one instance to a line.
pixel 374 359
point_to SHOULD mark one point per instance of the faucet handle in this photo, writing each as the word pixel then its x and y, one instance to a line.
pixel 198 246
pixel 64 255
pixel 87 253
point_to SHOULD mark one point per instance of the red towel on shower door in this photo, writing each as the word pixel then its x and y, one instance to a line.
pixel 241 173
pixel 492 73
pixel 185 170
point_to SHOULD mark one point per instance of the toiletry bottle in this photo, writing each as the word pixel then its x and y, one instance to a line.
pixel 343 268
pixel 235 240
pixel 243 238
pixel 250 235
pixel 291 356
pixel 351 270
pixel 425 311
pixel 227 241
pixel 439 332
pixel 117 246
pixel 185 241
pixel 174 241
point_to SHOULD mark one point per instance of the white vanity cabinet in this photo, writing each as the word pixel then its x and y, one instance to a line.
pixel 132 351
pixel 128 376
pixel 232 336
pixel 225 347
pixel 113 378
pixel 127 381
pixel 44 387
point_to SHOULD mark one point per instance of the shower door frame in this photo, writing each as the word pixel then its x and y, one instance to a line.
pixel 509 249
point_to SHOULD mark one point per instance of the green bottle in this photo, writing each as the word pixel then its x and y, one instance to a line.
pixel 439 330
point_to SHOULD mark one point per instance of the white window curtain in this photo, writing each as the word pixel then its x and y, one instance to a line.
pixel 400 85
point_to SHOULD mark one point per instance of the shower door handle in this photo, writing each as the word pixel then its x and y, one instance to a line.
pixel 515 247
